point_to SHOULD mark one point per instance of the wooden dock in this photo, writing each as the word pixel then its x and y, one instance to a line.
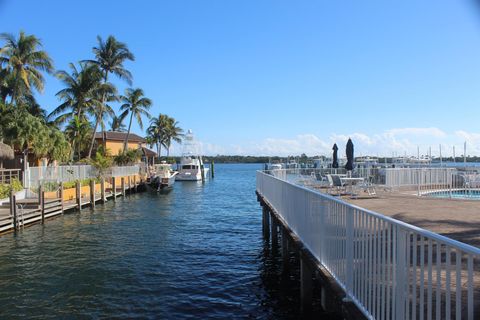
pixel 18 214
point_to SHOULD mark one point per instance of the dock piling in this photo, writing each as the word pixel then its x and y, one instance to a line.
pixel 78 193
pixel 61 197
pixel 306 285
pixel 13 209
pixel 266 223
pixel 274 233
pixel 92 193
pixel 114 189
pixel 42 205
pixel 135 183
pixel 285 249
pixel 102 190
pixel 122 183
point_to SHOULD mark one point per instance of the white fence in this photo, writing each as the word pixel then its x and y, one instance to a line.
pixel 400 177
pixel 34 176
pixel 389 269
pixel 125 171
pixel 37 175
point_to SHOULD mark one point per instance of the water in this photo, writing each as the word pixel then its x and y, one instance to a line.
pixel 456 194
pixel 196 252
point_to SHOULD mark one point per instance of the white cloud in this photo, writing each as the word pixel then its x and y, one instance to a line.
pixel 399 141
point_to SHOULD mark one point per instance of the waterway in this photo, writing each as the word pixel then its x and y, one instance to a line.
pixel 196 252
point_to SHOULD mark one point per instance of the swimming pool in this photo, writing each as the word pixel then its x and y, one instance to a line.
pixel 469 194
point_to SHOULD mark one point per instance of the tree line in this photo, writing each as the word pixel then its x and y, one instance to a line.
pixel 87 100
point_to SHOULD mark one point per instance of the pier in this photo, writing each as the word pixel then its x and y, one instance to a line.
pixel 369 265
pixel 19 213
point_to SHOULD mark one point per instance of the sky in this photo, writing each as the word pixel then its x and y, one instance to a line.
pixel 257 77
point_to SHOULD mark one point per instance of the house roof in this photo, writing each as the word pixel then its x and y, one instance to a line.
pixel 148 153
pixel 119 136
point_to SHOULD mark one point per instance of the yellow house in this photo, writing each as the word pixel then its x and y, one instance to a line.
pixel 113 141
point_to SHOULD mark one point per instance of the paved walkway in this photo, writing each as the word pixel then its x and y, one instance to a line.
pixel 457 219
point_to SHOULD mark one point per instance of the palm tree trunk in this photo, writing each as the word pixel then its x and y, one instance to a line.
pixel 92 142
pixel 103 103
pixel 125 144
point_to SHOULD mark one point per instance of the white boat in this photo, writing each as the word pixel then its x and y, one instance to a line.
pixel 191 167
pixel 162 176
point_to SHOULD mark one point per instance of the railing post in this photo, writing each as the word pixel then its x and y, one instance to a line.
pixel 400 274
pixel 102 189
pixel 349 250
pixel 92 193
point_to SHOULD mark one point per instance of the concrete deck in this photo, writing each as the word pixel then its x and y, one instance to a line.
pixel 457 219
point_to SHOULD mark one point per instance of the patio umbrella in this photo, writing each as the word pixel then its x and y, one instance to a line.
pixel 349 152
pixel 335 157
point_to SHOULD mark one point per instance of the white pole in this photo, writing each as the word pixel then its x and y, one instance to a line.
pixel 418 152
pixel 453 154
pixel 440 155
pixel 465 153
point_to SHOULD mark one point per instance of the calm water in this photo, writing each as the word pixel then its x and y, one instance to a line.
pixel 196 252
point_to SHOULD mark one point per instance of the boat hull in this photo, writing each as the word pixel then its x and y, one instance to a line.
pixel 191 175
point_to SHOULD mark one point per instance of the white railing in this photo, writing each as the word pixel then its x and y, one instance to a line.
pixel 125 171
pixel 389 269
pixel 414 177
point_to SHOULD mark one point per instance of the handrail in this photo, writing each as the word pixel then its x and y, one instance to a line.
pixel 370 254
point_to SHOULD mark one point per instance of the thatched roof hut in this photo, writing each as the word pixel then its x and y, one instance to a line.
pixel 6 152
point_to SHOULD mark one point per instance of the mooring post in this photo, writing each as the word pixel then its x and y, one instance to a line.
pixel 285 249
pixel 114 187
pixel 102 190
pixel 129 185
pixel 266 223
pixel 78 191
pixel 61 197
pixel 122 181
pixel 306 285
pixel 42 206
pixel 92 193
pixel 13 209
pixel 135 183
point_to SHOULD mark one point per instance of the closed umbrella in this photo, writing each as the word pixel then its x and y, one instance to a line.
pixel 335 157
pixel 349 152
pixel 5 153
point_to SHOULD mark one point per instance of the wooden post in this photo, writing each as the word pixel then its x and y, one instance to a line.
pixel 123 186
pixel 306 285
pixel 135 183
pixel 129 185
pixel 61 196
pixel 13 209
pixel 114 187
pixel 78 192
pixel 42 206
pixel 92 193
pixel 102 190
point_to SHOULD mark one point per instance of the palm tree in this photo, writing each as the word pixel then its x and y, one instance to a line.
pixel 78 132
pixel 110 56
pixel 25 61
pixel 156 131
pixel 117 124
pixel 137 105
pixel 172 132
pixel 80 94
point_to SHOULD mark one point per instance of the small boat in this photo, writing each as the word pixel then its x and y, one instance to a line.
pixel 191 167
pixel 162 177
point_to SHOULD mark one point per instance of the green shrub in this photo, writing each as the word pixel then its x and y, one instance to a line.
pixel 14 185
